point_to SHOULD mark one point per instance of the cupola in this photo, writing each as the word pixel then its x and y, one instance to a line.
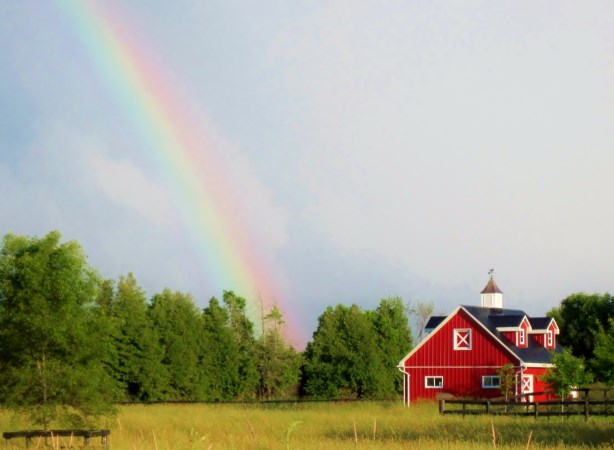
pixel 492 296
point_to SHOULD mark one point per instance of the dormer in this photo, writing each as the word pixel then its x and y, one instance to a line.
pixel 492 296
pixel 516 329
pixel 544 331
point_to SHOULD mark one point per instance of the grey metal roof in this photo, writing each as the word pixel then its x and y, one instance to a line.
pixel 491 318
pixel 434 322
pixel 540 323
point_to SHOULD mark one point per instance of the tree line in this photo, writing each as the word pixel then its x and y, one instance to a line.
pixel 72 343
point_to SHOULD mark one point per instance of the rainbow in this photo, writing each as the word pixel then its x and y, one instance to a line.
pixel 170 128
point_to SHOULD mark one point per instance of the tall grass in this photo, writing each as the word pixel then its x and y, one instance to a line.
pixel 338 426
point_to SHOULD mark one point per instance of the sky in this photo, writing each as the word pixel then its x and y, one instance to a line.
pixel 361 149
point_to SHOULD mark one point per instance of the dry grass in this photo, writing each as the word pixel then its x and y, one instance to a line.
pixel 339 426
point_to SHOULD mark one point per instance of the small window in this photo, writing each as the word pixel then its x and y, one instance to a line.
pixel 433 382
pixel 462 339
pixel 491 382
pixel 521 337
pixel 549 338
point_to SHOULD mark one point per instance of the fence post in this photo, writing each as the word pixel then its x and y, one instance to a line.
pixel 442 406
pixel 586 408
pixel 536 409
pixel 488 407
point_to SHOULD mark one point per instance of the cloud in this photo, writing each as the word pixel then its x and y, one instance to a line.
pixel 124 183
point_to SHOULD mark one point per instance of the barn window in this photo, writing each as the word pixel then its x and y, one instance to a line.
pixel 462 339
pixel 549 339
pixel 433 382
pixel 491 381
pixel 521 337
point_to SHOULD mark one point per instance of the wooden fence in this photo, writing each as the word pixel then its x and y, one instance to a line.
pixel 592 404
pixel 55 435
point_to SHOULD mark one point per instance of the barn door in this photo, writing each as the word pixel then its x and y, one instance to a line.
pixel 527 387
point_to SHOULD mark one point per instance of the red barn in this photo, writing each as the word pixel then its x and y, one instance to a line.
pixel 463 352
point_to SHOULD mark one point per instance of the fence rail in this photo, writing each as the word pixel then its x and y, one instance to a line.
pixel 86 435
pixel 584 407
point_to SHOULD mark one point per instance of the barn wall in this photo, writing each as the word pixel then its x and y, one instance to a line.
pixel 540 338
pixel 538 384
pixel 459 382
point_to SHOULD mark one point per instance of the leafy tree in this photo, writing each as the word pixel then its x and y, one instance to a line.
pixel 579 316
pixel 243 330
pixel 279 364
pixel 343 359
pixel 53 339
pixel 394 340
pixel 179 327
pixel 602 363
pixel 139 368
pixel 568 371
pixel 219 358
pixel 507 378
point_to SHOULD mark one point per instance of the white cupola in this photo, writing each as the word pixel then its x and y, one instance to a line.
pixel 492 297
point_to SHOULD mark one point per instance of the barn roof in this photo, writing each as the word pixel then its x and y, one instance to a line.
pixel 491 318
pixel 491 287
pixel 540 323
pixel 434 321
pixel 507 320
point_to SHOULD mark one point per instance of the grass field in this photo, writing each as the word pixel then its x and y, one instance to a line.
pixel 366 425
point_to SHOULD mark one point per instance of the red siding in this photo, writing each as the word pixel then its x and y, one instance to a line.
pixel 462 369
pixel 538 384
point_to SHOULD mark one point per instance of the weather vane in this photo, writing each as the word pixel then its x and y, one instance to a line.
pixel 491 271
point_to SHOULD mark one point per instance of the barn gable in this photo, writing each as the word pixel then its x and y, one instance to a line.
pixel 455 341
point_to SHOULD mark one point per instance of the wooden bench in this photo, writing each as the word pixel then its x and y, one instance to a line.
pixel 56 434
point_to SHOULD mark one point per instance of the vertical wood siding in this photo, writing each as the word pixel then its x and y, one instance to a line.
pixel 462 369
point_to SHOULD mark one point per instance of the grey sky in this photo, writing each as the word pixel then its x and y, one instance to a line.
pixel 383 148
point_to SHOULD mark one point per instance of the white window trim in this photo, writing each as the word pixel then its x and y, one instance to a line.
pixel 435 378
pixel 549 338
pixel 465 343
pixel 491 378
pixel 522 338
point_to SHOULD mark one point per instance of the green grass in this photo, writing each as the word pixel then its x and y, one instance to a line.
pixel 338 426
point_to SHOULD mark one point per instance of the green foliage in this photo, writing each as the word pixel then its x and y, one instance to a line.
pixel 137 364
pixel 220 358
pixel 354 353
pixel 394 340
pixel 53 336
pixel 179 327
pixel 568 371
pixel 602 363
pixel 507 376
pixel 579 316
pixel 278 363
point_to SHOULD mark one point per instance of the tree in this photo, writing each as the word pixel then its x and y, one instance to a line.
pixel 243 330
pixel 138 363
pixel 343 359
pixel 53 339
pixel 394 340
pixel 568 371
pixel 421 313
pixel 579 316
pixel 278 363
pixel 219 360
pixel 507 379
pixel 602 364
pixel 179 327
